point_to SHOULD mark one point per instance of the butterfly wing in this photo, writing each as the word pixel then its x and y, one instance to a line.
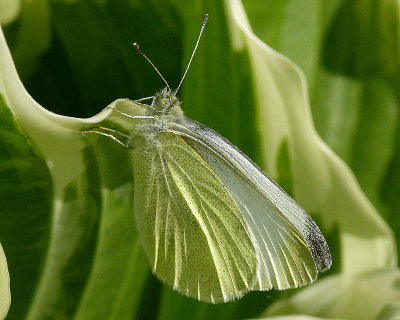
pixel 192 230
pixel 291 249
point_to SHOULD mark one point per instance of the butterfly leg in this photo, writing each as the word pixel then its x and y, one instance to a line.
pixel 139 101
pixel 109 135
pixel 144 99
pixel 130 116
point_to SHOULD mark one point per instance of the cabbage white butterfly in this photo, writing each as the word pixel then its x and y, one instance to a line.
pixel 213 224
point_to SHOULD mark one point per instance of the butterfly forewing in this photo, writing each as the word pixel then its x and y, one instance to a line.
pixel 190 225
pixel 291 248
pixel 285 260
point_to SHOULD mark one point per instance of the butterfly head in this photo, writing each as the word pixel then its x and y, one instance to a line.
pixel 165 102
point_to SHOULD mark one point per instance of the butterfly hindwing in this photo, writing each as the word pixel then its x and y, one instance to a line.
pixel 190 225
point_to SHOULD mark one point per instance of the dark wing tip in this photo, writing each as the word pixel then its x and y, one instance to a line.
pixel 318 246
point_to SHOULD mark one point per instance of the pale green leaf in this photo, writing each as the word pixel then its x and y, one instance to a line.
pixel 9 10
pixel 4 286
pixel 360 296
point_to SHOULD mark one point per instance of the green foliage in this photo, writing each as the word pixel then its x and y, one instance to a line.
pixel 66 219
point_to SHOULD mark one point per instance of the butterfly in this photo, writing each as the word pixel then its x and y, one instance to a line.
pixel 213 225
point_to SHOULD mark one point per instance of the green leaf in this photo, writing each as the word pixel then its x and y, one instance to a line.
pixel 323 184
pixel 83 231
pixel 297 317
pixel 355 112
pixel 360 296
pixel 66 221
pixel 29 34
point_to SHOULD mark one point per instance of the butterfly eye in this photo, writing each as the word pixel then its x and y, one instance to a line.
pixel 165 102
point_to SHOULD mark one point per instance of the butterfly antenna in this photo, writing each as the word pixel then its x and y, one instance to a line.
pixel 137 47
pixel 203 24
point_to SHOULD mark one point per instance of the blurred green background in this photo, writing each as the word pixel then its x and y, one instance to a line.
pixel 75 57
